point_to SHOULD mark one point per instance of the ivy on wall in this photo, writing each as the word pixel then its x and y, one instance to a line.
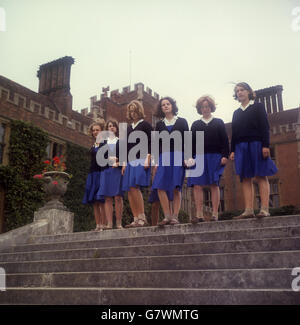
pixel 78 163
pixel 23 195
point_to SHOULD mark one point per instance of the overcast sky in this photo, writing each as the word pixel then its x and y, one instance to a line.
pixel 179 48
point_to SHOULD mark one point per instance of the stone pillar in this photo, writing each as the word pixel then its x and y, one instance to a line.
pixel 268 102
pixel 279 98
pixel 60 219
pixel 274 104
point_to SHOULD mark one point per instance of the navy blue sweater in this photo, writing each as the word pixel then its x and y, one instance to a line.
pixel 110 153
pixel 215 136
pixel 250 125
pixel 143 126
pixel 180 125
pixel 94 167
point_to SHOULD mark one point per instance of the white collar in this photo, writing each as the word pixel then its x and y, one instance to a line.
pixel 206 121
pixel 171 122
pixel 251 102
pixel 137 123
pixel 112 140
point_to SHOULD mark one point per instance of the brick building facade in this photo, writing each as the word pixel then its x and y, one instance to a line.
pixel 51 109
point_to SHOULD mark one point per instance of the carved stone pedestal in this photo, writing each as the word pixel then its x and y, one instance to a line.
pixel 60 220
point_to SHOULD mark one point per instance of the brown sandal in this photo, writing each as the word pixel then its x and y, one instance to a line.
pixel 164 222
pixel 134 224
pixel 195 220
pixel 174 222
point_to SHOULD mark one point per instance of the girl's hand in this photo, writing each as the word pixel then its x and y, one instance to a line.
pixel 123 170
pixel 265 152
pixel 147 161
pixel 231 157
pixel 223 161
pixel 189 162
pixel 112 160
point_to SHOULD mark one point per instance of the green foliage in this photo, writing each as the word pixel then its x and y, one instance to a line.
pixel 284 210
pixel 27 148
pixel 183 217
pixel 78 163
pixel 23 194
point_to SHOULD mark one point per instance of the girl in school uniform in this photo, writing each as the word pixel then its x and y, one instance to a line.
pixel 93 180
pixel 137 172
pixel 155 203
pixel 111 178
pixel 216 151
pixel 250 149
pixel 169 179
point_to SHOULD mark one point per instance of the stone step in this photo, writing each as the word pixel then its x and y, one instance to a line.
pixel 228 225
pixel 210 279
pixel 148 296
pixel 192 237
pixel 259 245
pixel 282 259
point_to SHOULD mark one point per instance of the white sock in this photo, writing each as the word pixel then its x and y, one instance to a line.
pixel 264 210
pixel 248 211
pixel 141 216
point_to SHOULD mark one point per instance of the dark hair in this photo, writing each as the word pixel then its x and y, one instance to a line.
pixel 115 124
pixel 160 113
pixel 245 86
pixel 209 100
pixel 99 122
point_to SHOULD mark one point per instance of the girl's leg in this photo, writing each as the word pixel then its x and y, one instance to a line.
pixel 198 197
pixel 109 211
pixel 136 202
pixel 165 204
pixel 102 215
pixel 215 198
pixel 119 210
pixel 264 192
pixel 176 204
pixel 132 204
pixel 96 208
pixel 248 192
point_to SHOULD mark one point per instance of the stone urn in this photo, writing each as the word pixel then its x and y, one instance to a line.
pixel 58 218
pixel 55 184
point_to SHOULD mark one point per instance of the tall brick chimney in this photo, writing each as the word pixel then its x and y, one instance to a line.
pixel 271 97
pixel 54 81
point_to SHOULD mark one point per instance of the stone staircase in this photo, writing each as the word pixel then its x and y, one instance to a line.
pixel 225 262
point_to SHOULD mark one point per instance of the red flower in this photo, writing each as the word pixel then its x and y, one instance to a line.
pixel 48 162
pixel 55 182
pixel 38 176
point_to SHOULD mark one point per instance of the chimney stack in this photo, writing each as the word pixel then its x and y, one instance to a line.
pixel 54 81
pixel 271 97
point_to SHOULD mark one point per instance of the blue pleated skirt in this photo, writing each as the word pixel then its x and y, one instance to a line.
pixel 212 172
pixel 249 161
pixel 91 188
pixel 110 183
pixel 171 177
pixel 136 175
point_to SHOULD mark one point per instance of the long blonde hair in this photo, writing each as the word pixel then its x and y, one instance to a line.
pixel 138 107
